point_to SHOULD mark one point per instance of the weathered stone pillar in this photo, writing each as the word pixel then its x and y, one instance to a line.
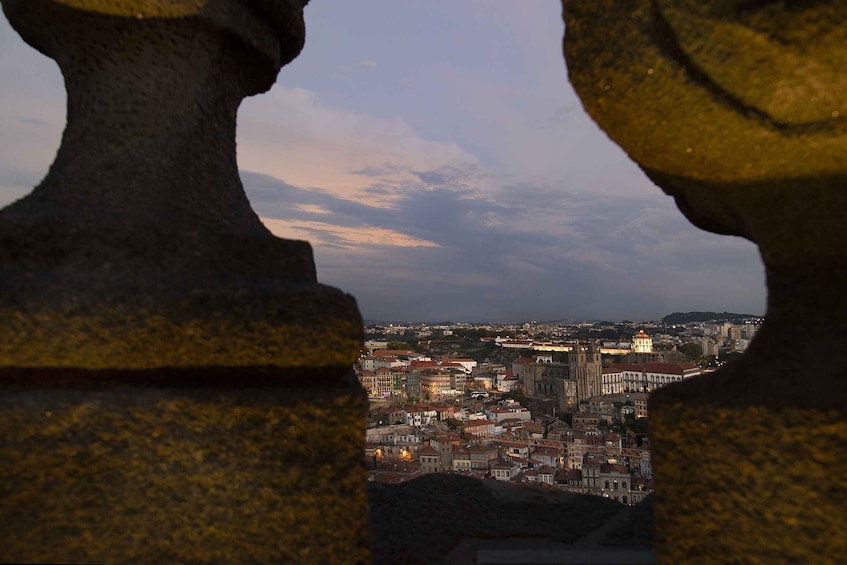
pixel 737 109
pixel 174 381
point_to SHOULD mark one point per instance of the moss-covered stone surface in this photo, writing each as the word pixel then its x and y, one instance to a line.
pixel 717 100
pixel 236 337
pixel 118 473
pixel 139 249
pixel 749 484
pixel 715 90
pixel 139 9
pixel 738 110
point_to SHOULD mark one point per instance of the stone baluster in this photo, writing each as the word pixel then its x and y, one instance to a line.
pixel 737 110
pixel 175 383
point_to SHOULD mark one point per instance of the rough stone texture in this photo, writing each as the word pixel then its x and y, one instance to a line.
pixel 693 92
pixel 737 110
pixel 157 469
pixel 172 376
pixel 768 486
pixel 273 28
pixel 140 239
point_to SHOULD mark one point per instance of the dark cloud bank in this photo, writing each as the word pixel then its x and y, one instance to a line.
pixel 519 252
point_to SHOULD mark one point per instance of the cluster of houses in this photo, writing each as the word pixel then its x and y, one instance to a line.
pixel 405 374
pixel 499 440
pixel 391 373
pixel 418 427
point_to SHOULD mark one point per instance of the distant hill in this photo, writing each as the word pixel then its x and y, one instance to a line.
pixel 686 317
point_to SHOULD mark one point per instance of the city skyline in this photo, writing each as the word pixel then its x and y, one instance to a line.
pixel 443 169
pixel 552 322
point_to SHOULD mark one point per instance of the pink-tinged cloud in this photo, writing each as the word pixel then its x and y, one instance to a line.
pixel 322 233
pixel 289 134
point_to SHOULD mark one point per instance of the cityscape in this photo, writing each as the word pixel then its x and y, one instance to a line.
pixel 553 405
pixel 190 244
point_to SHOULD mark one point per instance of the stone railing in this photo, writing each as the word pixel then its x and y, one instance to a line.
pixel 175 380
pixel 737 110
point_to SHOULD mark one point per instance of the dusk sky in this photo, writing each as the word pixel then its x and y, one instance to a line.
pixel 442 167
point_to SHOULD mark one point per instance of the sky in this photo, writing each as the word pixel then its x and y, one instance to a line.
pixel 442 167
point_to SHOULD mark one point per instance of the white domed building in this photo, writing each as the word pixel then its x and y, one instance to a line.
pixel 642 343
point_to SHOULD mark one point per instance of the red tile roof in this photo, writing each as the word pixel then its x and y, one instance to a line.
pixel 428 450
pixel 613 468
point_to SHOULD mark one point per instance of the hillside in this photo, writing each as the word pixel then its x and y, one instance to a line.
pixel 686 317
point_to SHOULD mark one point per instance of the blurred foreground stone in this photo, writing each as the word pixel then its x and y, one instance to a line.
pixel 737 109
pixel 151 467
pixel 173 376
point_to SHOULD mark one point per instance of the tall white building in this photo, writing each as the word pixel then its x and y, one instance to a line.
pixel 750 330
pixel 709 347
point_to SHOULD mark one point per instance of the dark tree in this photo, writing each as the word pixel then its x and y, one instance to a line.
pixel 692 350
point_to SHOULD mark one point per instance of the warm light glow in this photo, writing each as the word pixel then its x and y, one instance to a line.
pixel 324 233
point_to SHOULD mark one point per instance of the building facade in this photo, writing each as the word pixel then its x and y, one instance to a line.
pixel 642 343
pixel 621 378
pixel 586 368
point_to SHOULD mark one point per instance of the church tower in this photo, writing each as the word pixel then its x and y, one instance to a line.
pixel 586 368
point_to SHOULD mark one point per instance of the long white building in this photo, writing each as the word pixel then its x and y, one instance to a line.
pixel 619 378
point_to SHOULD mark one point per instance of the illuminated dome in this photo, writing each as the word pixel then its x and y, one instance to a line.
pixel 642 343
